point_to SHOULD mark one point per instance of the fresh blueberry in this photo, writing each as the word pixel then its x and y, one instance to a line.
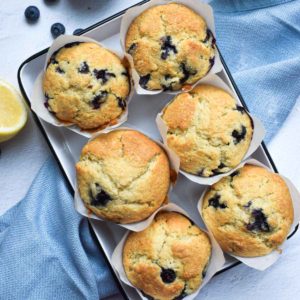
pixel 239 135
pixel 167 275
pixel 132 48
pixel 215 202
pixel 103 75
pixel 98 100
pixel 144 80
pixel 32 13
pixel 84 68
pixel 260 221
pixel 121 103
pixel 101 198
pixel 77 31
pixel 57 29
pixel 167 47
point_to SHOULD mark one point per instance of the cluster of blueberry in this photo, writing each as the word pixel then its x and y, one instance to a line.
pixel 259 220
pixel 32 14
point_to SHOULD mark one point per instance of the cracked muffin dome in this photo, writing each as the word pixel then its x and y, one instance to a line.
pixel 167 260
pixel 87 85
pixel 250 212
pixel 123 176
pixel 171 46
pixel 207 130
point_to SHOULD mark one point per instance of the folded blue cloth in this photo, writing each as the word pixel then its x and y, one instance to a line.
pixel 46 248
pixel 259 40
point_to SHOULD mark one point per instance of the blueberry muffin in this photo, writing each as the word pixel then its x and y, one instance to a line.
pixel 86 85
pixel 171 46
pixel 207 130
pixel 123 176
pixel 250 212
pixel 168 260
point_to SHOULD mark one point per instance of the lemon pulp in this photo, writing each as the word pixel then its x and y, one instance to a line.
pixel 13 113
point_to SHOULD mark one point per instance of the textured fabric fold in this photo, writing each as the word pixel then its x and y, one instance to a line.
pixel 244 5
pixel 46 248
pixel 262 50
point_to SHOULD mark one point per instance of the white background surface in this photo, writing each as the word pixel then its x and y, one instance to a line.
pixel 22 157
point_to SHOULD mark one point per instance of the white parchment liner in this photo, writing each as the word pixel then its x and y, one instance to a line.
pixel 216 262
pixel 38 98
pixel 257 138
pixel 202 9
pixel 261 263
pixel 137 226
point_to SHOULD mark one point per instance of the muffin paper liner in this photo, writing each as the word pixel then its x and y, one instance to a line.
pixel 216 262
pixel 137 226
pixel 204 10
pixel 37 98
pixel 257 137
pixel 261 263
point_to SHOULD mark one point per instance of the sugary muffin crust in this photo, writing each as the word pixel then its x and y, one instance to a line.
pixel 207 130
pixel 171 46
pixel 86 84
pixel 249 212
pixel 167 260
pixel 123 176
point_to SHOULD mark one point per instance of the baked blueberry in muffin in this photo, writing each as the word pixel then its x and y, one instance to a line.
pixel 123 176
pixel 171 46
pixel 250 214
pixel 84 84
pixel 207 130
pixel 167 260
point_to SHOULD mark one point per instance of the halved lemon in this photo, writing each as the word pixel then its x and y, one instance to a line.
pixel 13 111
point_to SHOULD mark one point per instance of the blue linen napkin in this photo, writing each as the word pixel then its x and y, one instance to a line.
pixel 260 42
pixel 46 248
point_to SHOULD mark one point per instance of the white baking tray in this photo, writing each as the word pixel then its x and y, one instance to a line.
pixel 66 145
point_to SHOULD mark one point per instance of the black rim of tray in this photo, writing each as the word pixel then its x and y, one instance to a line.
pixel 39 124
